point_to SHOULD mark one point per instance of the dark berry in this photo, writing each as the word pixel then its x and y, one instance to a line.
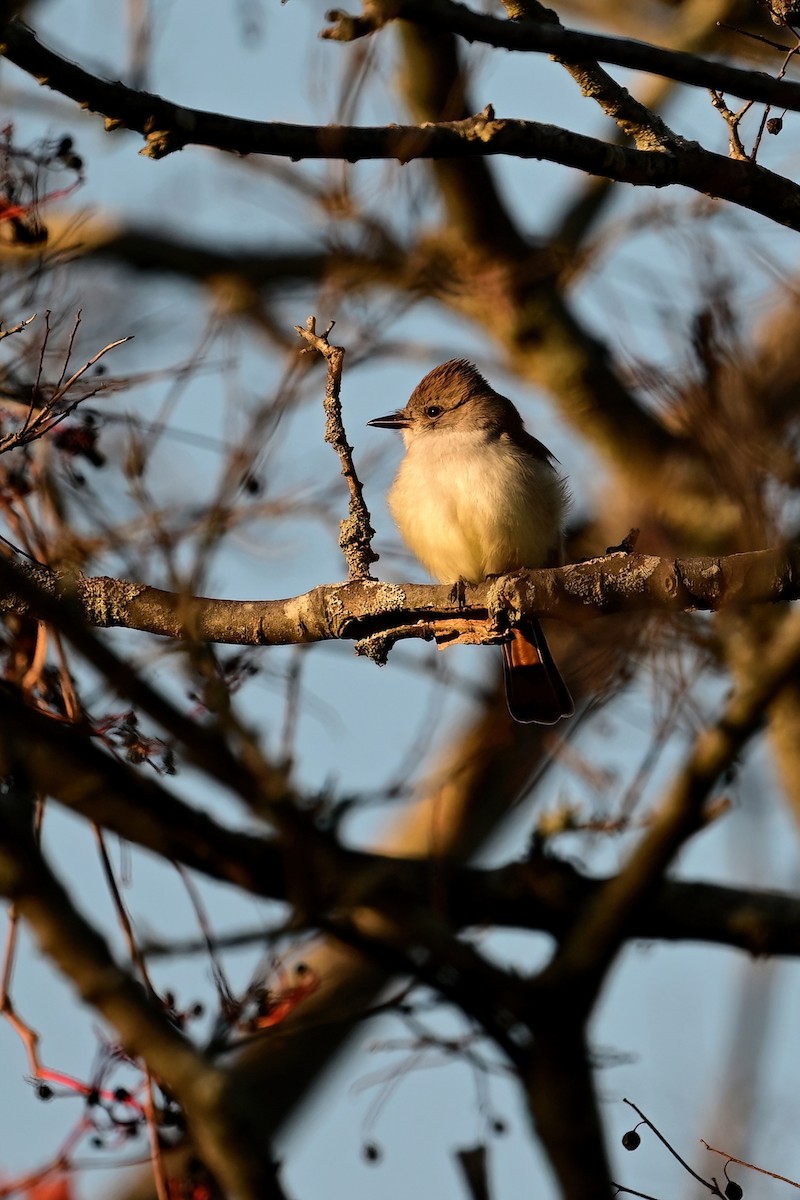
pixel 733 1190
pixel 372 1152
pixel 44 1091
pixel 631 1140
pixel 121 1095
pixel 499 1126
pixel 93 1098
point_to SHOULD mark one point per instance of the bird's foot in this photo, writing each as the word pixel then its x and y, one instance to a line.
pixel 458 593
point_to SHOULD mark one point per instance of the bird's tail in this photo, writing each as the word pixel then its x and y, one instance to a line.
pixel 535 691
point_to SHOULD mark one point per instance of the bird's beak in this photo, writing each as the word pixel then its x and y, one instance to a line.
pixel 395 420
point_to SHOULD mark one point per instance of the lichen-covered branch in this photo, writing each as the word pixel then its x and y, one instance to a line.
pixel 369 612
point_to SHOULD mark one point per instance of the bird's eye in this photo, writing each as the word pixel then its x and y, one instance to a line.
pixel 433 410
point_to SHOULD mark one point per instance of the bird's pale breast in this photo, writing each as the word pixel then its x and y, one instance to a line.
pixel 469 505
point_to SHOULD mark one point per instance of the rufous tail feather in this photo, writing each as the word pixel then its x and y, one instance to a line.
pixel 535 691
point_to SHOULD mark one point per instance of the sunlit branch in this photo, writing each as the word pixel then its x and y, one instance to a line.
pixel 168 127
pixel 376 615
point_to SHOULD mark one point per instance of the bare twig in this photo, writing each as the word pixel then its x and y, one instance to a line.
pixel 355 538
pixel 4 333
pixel 64 388
pixel 742 1162
pixel 712 1187
pixel 45 411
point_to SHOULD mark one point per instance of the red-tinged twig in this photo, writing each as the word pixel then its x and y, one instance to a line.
pixel 81 1088
pixel 159 1172
pixel 27 1183
pixel 8 955
pixel 28 1036
pixel 9 211
pixel 33 674
pixel 742 1162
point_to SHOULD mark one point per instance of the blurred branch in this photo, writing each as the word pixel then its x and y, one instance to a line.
pixel 434 85
pixel 217 1115
pixel 377 614
pixel 542 893
pixel 65 761
pixel 246 773
pixel 587 953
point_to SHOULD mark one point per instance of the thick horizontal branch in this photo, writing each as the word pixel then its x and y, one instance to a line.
pixel 543 894
pixel 137 109
pixel 571 45
pixel 168 127
pixel 377 614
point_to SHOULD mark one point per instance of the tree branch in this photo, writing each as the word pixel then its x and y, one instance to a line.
pixel 587 953
pixel 542 893
pixel 169 127
pixel 216 1112
pixel 571 45
pixel 378 614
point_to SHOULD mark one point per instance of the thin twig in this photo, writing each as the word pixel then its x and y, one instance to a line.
pixel 742 1162
pixel 356 531
pixel 226 995
pixel 64 388
pixel 122 913
pixel 768 109
pixel 712 1187
pixel 4 333
pixel 157 1158
pixel 70 347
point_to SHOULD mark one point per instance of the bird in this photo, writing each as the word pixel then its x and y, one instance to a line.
pixel 476 495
